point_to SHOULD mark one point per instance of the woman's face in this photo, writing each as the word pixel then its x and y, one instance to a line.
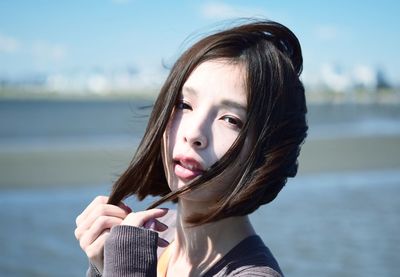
pixel 206 121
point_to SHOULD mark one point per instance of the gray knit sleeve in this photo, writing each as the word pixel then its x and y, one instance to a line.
pixel 130 251
pixel 92 271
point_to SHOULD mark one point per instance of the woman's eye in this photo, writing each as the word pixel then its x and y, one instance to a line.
pixel 233 121
pixel 181 105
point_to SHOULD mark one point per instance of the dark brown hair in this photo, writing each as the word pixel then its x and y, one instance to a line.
pixel 276 120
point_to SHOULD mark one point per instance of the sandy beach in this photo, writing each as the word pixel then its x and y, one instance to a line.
pixel 58 166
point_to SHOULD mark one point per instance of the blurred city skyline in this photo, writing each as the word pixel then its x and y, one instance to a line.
pixel 123 44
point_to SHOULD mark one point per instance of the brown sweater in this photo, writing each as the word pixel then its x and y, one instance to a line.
pixel 132 251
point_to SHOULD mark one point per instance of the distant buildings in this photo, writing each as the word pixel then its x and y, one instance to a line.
pixel 81 82
pixel 334 79
pixel 330 80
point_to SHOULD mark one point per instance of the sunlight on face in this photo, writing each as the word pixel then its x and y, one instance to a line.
pixel 207 120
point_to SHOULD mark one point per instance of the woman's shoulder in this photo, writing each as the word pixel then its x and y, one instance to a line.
pixel 251 257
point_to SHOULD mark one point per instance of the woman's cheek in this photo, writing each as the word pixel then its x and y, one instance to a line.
pixel 167 148
pixel 223 140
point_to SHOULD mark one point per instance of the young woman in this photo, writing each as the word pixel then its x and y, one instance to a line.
pixel 222 139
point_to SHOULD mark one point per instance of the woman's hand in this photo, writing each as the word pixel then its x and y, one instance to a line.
pixel 147 219
pixel 93 226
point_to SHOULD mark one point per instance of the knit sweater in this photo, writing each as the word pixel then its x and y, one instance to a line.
pixel 132 251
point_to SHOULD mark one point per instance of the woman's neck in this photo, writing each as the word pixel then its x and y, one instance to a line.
pixel 197 248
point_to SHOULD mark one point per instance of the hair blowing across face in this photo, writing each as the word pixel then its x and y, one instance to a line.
pixel 276 122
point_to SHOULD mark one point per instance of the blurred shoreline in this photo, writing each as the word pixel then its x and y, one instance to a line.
pixel 92 165
pixel 90 142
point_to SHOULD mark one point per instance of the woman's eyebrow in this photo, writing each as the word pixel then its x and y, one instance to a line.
pixel 225 103
pixel 233 104
pixel 189 90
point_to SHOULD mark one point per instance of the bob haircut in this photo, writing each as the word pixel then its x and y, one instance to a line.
pixel 276 122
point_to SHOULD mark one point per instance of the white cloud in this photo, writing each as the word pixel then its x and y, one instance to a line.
pixel 335 78
pixel 219 10
pixel 48 51
pixel 365 75
pixel 327 32
pixel 8 44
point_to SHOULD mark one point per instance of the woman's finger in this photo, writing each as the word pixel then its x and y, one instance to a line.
pixel 162 242
pixel 125 207
pixel 156 225
pixel 138 219
pixel 95 249
pixel 97 228
pixel 98 200
pixel 97 212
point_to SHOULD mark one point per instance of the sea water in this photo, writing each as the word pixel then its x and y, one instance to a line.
pixel 327 225
pixel 322 224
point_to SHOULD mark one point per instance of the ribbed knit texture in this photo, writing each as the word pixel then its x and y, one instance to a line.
pixel 249 258
pixel 130 251
pixel 92 271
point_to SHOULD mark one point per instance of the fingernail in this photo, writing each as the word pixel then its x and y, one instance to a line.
pixel 162 242
pixel 125 207
pixel 150 224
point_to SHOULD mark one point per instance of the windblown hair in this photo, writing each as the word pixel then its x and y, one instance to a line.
pixel 276 122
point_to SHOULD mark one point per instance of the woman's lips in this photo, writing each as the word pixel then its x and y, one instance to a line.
pixel 187 169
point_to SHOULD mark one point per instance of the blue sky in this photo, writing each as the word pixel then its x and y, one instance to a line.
pixel 52 36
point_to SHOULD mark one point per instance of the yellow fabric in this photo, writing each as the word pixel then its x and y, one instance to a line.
pixel 162 265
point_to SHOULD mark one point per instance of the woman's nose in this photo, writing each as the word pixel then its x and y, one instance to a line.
pixel 196 137
pixel 197 142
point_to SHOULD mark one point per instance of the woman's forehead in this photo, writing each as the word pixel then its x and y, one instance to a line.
pixel 220 77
